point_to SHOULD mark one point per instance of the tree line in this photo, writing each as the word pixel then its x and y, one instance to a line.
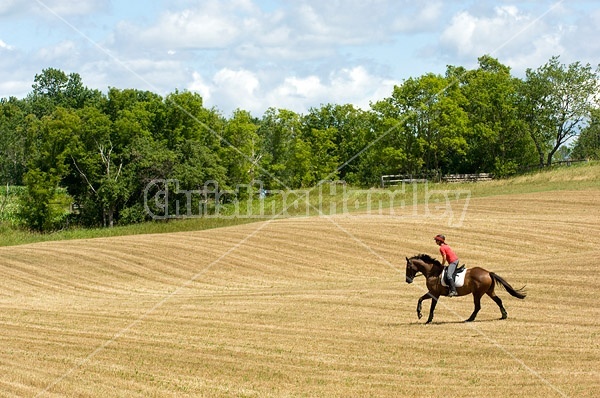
pixel 105 148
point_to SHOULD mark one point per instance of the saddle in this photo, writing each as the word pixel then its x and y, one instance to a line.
pixel 459 276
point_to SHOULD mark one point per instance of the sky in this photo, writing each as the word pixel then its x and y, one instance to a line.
pixel 297 55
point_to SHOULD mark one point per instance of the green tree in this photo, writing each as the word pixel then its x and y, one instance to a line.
pixel 187 119
pixel 587 145
pixel 323 155
pixel 184 116
pixel 241 150
pixel 392 143
pixel 53 88
pixel 127 99
pixel 37 209
pixel 341 132
pixel 131 124
pixel 197 165
pixel 496 135
pixel 441 122
pixel 13 157
pixel 49 141
pixel 278 131
pixel 557 100
pixel 96 178
pixel 423 124
pixel 145 160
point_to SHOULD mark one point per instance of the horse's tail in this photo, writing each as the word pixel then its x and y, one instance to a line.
pixel 518 293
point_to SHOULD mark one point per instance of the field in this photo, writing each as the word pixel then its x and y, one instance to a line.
pixel 310 307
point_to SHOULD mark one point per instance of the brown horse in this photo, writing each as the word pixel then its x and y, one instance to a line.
pixel 477 282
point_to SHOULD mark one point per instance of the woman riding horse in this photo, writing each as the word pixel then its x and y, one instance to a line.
pixel 478 282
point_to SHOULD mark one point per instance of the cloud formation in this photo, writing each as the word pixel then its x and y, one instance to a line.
pixel 253 54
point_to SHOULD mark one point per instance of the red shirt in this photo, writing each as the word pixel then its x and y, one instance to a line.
pixel 448 253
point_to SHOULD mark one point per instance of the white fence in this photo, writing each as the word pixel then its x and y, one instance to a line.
pixel 391 180
pixel 467 177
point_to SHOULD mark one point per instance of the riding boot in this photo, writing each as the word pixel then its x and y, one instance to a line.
pixel 452 291
pixel 450 271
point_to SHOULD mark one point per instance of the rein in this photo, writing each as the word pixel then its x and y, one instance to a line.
pixel 419 273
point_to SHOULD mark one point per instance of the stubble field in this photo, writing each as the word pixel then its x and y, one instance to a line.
pixel 314 306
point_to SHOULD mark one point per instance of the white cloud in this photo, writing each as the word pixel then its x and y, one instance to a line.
pixel 4 46
pixel 230 89
pixel 200 86
pixel 8 7
pixel 202 25
pixel 300 88
pixel 294 32
pixel 543 48
pixel 68 7
pixel 161 76
pixel 360 87
pixel 237 89
pixel 241 80
pixel 421 19
pixel 14 88
pixel 59 52
pixel 294 55
pixel 17 73
pixel 580 39
pixel 48 7
pixel 459 35
pixel 363 21
pixel 508 34
pixel 191 29
pixel 474 36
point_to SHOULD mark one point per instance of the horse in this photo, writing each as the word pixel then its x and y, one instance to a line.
pixel 478 282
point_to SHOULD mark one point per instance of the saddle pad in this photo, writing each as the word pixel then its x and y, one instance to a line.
pixel 459 281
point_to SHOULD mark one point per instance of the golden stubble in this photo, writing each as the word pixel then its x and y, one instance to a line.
pixel 314 306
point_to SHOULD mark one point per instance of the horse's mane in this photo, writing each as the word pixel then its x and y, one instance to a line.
pixel 437 266
pixel 428 259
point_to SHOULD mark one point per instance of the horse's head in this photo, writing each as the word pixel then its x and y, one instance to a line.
pixel 424 264
pixel 411 270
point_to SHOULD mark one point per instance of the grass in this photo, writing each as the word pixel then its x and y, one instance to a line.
pixel 10 236
pixel 328 200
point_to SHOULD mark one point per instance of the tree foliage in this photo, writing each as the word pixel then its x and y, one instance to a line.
pixel 587 145
pixel 557 102
pixel 105 149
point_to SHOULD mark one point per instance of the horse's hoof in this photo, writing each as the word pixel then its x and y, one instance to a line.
pixel 469 320
pixel 419 315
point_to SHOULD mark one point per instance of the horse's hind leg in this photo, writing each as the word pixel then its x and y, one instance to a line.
pixel 477 302
pixel 498 301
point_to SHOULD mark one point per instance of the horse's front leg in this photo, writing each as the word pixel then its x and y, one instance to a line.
pixel 434 300
pixel 426 296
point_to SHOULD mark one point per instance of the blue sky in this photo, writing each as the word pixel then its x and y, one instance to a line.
pixel 256 54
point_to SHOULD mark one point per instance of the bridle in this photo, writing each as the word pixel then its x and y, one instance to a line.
pixel 411 271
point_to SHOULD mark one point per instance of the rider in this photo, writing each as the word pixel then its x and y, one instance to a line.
pixel 449 256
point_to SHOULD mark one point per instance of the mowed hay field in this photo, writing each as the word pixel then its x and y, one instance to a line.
pixel 314 306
